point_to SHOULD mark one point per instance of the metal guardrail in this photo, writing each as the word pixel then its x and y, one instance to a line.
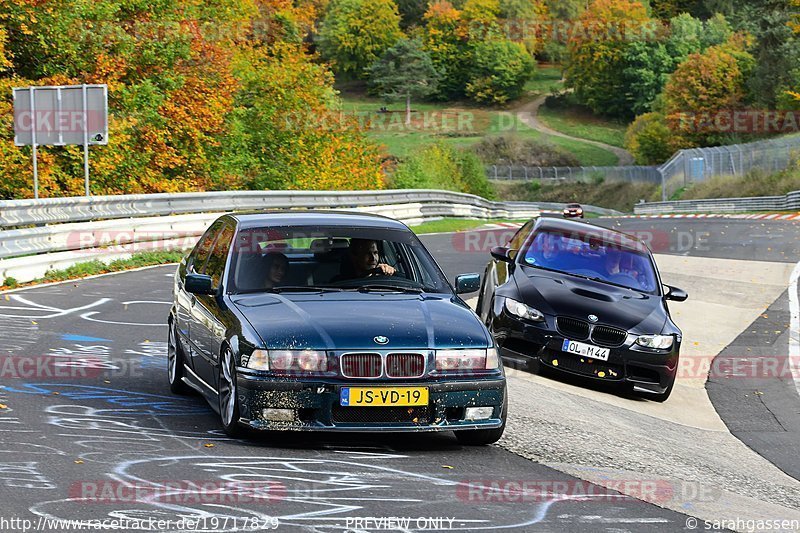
pixel 15 213
pixel 67 230
pixel 789 202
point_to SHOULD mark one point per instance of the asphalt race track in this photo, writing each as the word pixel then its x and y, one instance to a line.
pixel 90 432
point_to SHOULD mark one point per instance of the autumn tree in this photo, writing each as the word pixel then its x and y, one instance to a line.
pixel 596 63
pixel 650 140
pixel 405 71
pixel 355 33
pixel 705 84
pixel 447 48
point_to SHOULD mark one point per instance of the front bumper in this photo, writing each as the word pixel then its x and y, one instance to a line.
pixel 316 404
pixel 651 370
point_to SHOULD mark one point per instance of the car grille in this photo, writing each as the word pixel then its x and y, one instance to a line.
pixel 572 328
pixel 380 415
pixel 608 336
pixel 405 365
pixel 361 365
pixel 583 365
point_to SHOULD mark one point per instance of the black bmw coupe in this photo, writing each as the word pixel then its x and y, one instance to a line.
pixel 586 300
pixel 331 322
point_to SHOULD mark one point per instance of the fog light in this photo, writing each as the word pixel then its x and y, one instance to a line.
pixel 478 413
pixel 279 415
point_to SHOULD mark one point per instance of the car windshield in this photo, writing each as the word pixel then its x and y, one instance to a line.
pixel 332 258
pixel 592 257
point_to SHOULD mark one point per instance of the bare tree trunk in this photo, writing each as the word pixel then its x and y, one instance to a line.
pixel 408 110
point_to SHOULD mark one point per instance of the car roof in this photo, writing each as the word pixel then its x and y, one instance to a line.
pixel 584 229
pixel 257 219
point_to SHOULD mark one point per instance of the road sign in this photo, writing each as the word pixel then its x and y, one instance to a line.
pixel 60 116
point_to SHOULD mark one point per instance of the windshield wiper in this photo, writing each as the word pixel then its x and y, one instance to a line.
pixel 292 288
pixel 394 288
pixel 304 288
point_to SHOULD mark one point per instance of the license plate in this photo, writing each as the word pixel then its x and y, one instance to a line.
pixel 383 396
pixel 586 350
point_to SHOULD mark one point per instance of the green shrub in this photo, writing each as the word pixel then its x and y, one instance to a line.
pixel 498 71
pixel 612 195
pixel 512 150
pixel 438 166
pixel 11 282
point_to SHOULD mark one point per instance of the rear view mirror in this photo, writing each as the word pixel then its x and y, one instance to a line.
pixel 467 283
pixel 675 294
pixel 199 284
pixel 502 253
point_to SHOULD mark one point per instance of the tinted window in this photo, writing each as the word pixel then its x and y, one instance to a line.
pixel 332 257
pixel 216 262
pixel 202 249
pixel 518 239
pixel 591 257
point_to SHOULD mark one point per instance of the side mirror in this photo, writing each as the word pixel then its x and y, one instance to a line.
pixel 468 283
pixel 199 284
pixel 675 294
pixel 502 253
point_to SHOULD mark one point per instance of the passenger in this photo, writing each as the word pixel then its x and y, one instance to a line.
pixel 613 258
pixel 363 260
pixel 277 265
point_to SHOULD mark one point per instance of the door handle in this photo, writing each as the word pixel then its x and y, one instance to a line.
pixel 194 300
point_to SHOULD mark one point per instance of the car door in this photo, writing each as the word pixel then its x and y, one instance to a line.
pixel 183 299
pixel 208 328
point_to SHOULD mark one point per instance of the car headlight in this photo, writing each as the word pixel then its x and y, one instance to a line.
pixel 659 342
pixel 523 311
pixel 469 359
pixel 289 360
pixel 258 360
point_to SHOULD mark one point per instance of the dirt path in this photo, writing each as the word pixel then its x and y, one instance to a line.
pixel 529 115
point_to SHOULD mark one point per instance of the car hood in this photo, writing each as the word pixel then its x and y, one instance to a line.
pixel 563 295
pixel 351 321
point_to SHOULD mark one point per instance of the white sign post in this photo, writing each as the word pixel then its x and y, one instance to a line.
pixel 60 116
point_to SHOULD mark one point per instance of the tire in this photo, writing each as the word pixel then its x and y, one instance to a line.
pixel 175 362
pixel 483 437
pixel 228 395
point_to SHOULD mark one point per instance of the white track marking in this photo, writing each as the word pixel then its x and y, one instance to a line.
pixel 794 327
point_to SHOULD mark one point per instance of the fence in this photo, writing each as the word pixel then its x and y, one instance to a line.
pixel 641 174
pixel 683 169
pixel 71 230
pixel 699 164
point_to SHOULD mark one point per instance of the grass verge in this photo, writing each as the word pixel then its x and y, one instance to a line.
pixel 92 268
pixel 578 122
pixel 458 124
pixel 447 225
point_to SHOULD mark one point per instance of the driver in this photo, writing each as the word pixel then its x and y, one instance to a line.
pixel 363 261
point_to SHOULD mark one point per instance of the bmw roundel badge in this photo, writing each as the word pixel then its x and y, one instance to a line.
pixel 593 318
pixel 380 339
